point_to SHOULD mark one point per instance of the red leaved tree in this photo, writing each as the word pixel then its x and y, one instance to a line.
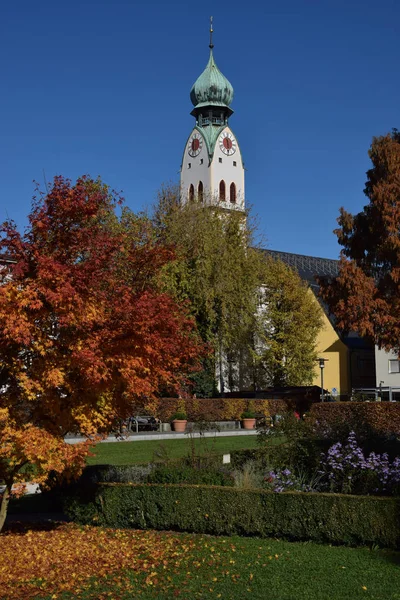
pixel 84 332
pixel 365 297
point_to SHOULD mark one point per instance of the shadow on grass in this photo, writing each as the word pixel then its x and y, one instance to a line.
pixel 22 527
pixel 390 556
pixel 35 503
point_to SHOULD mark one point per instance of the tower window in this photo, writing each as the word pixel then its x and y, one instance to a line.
pixel 232 193
pixel 191 193
pixel 234 163
pixel 200 191
pixel 189 165
pixel 201 161
pixel 220 159
pixel 222 193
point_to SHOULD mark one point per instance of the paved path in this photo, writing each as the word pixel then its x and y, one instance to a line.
pixel 31 488
pixel 168 435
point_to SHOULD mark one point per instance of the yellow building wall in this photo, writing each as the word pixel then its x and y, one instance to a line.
pixel 330 347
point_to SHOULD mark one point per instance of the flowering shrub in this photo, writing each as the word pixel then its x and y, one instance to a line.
pixel 283 480
pixel 344 469
pixel 349 471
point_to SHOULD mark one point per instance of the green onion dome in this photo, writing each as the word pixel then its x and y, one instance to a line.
pixel 211 88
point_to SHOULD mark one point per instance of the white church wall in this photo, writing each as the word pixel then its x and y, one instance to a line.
pixel 229 169
pixel 195 169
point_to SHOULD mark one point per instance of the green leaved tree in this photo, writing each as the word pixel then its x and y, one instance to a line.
pixel 287 325
pixel 227 280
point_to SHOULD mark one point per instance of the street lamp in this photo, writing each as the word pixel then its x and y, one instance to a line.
pixel 322 362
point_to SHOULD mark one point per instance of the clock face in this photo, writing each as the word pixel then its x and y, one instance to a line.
pixel 227 143
pixel 195 144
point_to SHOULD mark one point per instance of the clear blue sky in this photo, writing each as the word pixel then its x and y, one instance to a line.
pixel 103 88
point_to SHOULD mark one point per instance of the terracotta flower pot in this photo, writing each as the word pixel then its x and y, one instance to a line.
pixel 179 425
pixel 248 423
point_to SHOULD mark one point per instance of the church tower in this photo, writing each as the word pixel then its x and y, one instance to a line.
pixel 212 168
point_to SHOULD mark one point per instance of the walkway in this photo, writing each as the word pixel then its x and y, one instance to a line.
pixel 145 436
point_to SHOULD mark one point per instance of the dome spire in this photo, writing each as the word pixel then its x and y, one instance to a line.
pixel 211 45
pixel 211 90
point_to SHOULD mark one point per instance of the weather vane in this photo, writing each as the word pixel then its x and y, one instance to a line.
pixel 211 32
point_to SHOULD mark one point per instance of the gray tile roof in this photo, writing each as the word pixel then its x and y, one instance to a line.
pixel 308 267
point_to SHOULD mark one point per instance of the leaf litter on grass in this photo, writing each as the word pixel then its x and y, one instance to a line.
pixel 92 563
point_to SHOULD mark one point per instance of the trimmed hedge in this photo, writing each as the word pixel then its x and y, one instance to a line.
pixel 332 518
pixel 220 409
pixel 381 418
pixel 187 474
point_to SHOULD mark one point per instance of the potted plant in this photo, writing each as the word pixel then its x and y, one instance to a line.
pixel 248 419
pixel 179 421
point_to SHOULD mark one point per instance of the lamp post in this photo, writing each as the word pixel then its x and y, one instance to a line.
pixel 322 362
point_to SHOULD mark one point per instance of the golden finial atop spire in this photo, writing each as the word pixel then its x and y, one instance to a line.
pixel 211 33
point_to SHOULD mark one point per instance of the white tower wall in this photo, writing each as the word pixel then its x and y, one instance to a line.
pixel 222 167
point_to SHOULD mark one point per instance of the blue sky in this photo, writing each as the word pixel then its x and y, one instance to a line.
pixel 103 88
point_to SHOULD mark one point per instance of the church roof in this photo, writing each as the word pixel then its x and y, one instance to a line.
pixel 308 267
pixel 311 267
pixel 212 87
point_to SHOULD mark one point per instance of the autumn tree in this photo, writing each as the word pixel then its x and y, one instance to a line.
pixel 84 330
pixel 365 297
pixel 287 324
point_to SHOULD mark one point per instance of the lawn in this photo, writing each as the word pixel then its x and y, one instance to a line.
pixel 127 453
pixel 71 562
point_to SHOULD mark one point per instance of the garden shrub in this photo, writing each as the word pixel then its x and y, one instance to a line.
pixel 284 480
pixel 250 476
pixel 301 448
pixel 189 474
pixel 240 457
pixel 349 470
pixel 221 409
pixel 136 473
pixel 331 518
pixel 364 418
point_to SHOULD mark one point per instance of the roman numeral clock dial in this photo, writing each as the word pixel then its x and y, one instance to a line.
pixel 227 143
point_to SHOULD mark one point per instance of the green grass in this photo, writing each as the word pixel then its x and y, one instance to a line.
pixel 127 453
pixel 239 568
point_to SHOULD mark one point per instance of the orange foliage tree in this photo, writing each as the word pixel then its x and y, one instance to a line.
pixel 84 331
pixel 365 297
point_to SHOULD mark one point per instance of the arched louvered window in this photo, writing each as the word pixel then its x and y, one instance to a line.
pixel 232 193
pixel 222 192
pixel 191 193
pixel 200 191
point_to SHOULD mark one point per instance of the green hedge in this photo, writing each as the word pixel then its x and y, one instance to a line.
pixel 333 518
pixel 240 457
pixel 190 475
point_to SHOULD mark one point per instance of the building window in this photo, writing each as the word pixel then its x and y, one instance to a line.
pixel 201 161
pixel 394 366
pixel 234 163
pixel 220 159
pixel 189 165
pixel 222 192
pixel 191 193
pixel 200 191
pixel 232 193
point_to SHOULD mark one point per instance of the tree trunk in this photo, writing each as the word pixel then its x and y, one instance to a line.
pixel 4 505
